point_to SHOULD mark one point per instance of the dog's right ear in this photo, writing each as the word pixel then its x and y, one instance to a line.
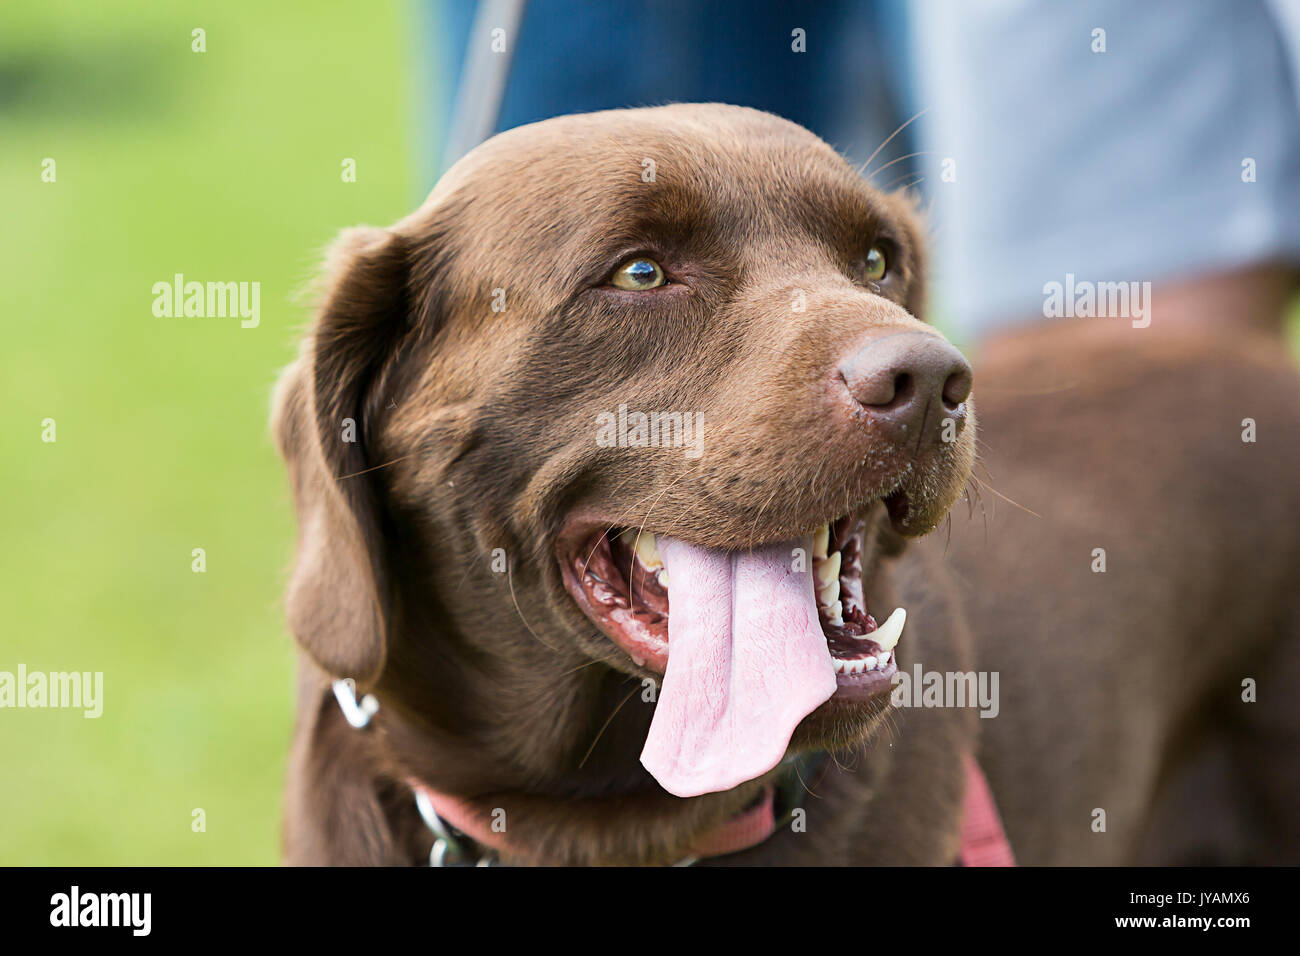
pixel 325 407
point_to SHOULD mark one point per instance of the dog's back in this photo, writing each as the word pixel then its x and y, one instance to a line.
pixel 1129 572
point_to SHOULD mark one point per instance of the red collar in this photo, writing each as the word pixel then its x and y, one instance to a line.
pixel 983 841
pixel 746 829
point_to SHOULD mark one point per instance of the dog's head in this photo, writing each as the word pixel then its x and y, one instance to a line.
pixel 634 392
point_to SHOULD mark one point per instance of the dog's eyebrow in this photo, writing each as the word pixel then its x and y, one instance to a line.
pixel 845 213
pixel 673 217
pixel 693 216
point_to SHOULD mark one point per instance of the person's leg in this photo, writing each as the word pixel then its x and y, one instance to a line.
pixel 1164 149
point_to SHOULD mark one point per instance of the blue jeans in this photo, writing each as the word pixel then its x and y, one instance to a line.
pixel 573 56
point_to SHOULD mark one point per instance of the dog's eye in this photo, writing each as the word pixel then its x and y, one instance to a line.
pixel 638 274
pixel 876 266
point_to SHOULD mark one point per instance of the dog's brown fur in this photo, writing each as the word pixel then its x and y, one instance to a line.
pixel 1130 440
pixel 475 433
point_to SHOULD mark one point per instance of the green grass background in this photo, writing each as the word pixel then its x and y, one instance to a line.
pixel 223 165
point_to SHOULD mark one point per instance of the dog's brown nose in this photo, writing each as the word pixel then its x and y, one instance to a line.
pixel 896 378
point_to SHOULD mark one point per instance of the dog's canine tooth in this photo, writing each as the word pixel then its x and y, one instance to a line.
pixel 887 634
pixel 645 546
pixel 662 578
pixel 821 541
pixel 828 595
pixel 827 569
pixel 647 549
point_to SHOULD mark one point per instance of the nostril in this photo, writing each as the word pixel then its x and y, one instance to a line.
pixel 903 386
pixel 957 388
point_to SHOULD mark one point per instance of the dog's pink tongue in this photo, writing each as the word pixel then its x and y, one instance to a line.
pixel 747 660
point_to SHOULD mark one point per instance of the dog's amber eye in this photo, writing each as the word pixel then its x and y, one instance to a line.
pixel 637 274
pixel 876 266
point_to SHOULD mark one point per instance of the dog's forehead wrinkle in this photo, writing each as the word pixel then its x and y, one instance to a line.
pixel 577 167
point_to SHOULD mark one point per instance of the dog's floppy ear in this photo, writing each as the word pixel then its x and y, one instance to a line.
pixel 325 406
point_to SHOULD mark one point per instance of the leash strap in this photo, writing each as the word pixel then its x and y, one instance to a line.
pixel 983 840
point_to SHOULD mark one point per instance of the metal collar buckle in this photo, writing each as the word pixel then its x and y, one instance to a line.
pixel 447 850
pixel 356 713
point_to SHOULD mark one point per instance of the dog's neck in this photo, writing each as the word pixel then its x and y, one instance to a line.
pixel 521 826
pixel 587 831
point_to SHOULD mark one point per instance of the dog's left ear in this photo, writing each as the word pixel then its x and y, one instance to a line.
pixel 905 208
pixel 325 409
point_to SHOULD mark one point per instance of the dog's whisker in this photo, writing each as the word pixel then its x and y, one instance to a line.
pixel 757 518
pixel 1010 501
pixel 600 660
pixel 807 788
pixel 605 725
pixel 510 582
pixel 881 169
pixel 587 562
pixel 890 138
pixel 641 527
pixel 627 511
pixel 365 471
pixel 839 764
pixel 904 185
pixel 891 728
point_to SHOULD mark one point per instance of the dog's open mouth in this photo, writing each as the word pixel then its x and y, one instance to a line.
pixel 627 592
pixel 749 641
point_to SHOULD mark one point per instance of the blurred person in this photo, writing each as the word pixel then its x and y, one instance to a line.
pixel 1062 147
pixel 1111 142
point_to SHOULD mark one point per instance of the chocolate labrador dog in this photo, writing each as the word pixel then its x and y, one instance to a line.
pixel 607 462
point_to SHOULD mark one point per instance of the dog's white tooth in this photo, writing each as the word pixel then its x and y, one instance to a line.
pixel 836 615
pixel 887 634
pixel 837 665
pixel 828 595
pixel 648 551
pixel 821 541
pixel 869 663
pixel 662 578
pixel 827 570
